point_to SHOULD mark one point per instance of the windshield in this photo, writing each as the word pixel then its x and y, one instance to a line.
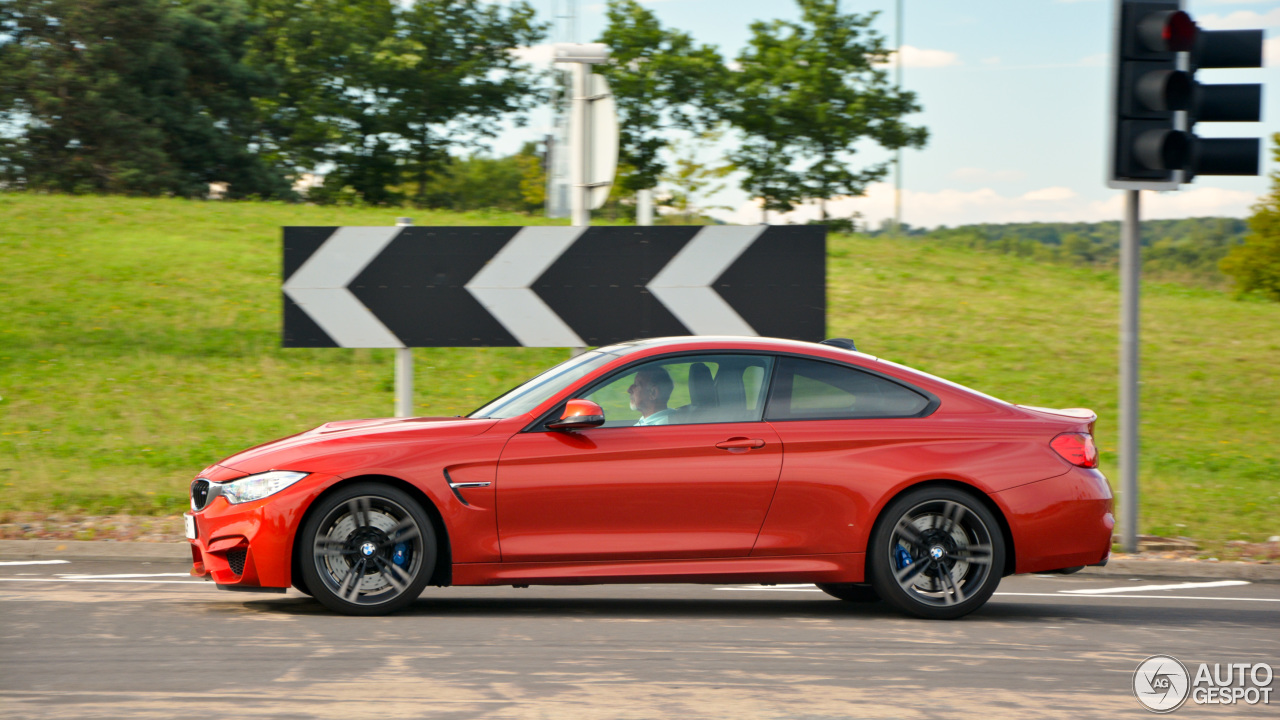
pixel 533 393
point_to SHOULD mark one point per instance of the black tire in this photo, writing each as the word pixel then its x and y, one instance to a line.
pixel 851 592
pixel 936 553
pixel 300 585
pixel 368 549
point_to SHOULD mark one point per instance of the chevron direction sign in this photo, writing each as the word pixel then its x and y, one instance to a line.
pixel 417 286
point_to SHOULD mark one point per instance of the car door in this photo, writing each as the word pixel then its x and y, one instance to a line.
pixel 851 436
pixel 698 486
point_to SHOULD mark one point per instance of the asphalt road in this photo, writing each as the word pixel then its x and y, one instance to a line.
pixel 115 639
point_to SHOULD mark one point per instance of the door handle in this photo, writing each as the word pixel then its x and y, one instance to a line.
pixel 740 443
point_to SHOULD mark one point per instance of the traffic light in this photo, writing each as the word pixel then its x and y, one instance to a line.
pixel 1156 101
pixel 1225 103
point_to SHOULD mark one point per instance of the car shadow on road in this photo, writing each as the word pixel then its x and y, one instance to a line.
pixel 1004 612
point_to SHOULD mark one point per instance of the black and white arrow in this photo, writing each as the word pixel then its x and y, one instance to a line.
pixel 549 286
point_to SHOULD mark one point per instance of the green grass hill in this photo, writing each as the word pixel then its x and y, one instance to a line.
pixel 140 341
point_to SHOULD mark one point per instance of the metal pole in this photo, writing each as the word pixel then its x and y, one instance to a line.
pixel 580 152
pixel 580 155
pixel 897 156
pixel 644 208
pixel 1130 280
pixel 404 364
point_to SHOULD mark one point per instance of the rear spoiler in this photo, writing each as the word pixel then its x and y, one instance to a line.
pixel 1081 414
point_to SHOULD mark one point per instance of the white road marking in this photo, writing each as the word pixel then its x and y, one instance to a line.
pixel 72 576
pixel 780 588
pixel 36 562
pixel 1063 595
pixel 1144 588
pixel 72 580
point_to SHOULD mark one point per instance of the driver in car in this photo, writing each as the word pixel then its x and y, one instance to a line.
pixel 649 394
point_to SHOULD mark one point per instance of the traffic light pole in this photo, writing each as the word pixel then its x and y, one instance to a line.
pixel 1130 283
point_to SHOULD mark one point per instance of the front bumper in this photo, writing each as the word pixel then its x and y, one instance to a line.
pixel 250 545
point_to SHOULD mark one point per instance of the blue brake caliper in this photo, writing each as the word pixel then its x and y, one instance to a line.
pixel 902 557
pixel 398 555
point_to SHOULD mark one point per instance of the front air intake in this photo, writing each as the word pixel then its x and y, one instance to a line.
pixel 235 558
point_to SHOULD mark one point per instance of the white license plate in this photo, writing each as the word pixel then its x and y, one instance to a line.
pixel 191 525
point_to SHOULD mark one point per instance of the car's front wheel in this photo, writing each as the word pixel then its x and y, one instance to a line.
pixel 368 549
pixel 937 553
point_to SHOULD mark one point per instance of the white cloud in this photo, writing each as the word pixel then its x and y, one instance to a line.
pixel 1050 194
pixel 1052 204
pixel 993 60
pixel 983 175
pixel 914 57
pixel 1240 20
pixel 1098 60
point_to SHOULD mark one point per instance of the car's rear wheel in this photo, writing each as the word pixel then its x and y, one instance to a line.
pixel 368 549
pixel 937 553
pixel 851 592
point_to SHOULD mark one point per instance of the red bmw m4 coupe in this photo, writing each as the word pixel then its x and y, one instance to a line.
pixel 690 459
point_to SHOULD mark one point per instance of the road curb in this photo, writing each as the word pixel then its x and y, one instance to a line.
pixel 93 550
pixel 1192 569
pixel 180 551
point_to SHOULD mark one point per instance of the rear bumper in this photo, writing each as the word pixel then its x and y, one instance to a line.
pixel 1062 522
pixel 251 545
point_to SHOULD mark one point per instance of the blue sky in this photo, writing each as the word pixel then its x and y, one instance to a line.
pixel 1014 96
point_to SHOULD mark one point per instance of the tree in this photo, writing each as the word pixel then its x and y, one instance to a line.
pixel 690 179
pixel 533 177
pixel 381 91
pixel 144 97
pixel 804 94
pixel 323 114
pixel 1255 265
pixel 661 80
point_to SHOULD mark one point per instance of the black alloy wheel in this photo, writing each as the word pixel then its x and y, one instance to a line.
pixel 851 592
pixel 937 553
pixel 369 549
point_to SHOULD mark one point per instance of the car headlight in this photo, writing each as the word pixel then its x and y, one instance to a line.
pixel 256 487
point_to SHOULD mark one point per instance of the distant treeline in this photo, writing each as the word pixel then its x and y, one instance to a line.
pixel 1187 249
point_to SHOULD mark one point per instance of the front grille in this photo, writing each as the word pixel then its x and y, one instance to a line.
pixel 199 494
pixel 235 558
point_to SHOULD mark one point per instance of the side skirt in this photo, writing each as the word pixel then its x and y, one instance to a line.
pixel 834 568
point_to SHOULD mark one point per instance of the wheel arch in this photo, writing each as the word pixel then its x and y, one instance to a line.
pixel 441 575
pixel 1006 533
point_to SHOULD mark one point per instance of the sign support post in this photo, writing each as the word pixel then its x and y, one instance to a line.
pixel 580 149
pixel 404 363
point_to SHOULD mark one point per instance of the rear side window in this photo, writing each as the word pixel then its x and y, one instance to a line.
pixel 811 390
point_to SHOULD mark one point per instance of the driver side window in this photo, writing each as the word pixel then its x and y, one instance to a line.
pixel 686 390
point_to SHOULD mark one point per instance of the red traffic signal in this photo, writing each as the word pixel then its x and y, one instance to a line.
pixel 1167 31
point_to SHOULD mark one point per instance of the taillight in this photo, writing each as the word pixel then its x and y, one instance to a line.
pixel 1077 449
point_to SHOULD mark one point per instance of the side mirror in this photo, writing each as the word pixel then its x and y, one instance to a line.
pixel 578 414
